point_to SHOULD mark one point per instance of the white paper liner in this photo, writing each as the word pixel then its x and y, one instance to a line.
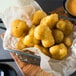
pixel 57 68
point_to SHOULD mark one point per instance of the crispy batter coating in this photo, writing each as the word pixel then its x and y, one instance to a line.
pixel 30 40
pixel 44 34
pixel 58 51
pixel 39 32
pixel 48 39
pixel 36 41
pixel 58 35
pixel 63 51
pixel 19 28
pixel 20 45
pixel 50 20
pixel 38 15
pixel 54 51
pixel 61 25
pixel 65 26
pixel 69 28
pixel 31 33
pixel 67 41
pixel 47 33
pixel 43 50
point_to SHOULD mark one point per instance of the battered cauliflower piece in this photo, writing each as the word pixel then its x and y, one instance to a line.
pixel 48 39
pixel 54 51
pixel 50 20
pixel 67 41
pixel 20 45
pixel 31 33
pixel 43 50
pixel 63 51
pixel 39 32
pixel 58 51
pixel 61 25
pixel 19 28
pixel 36 41
pixel 58 35
pixel 30 40
pixel 65 26
pixel 44 34
pixel 38 15
pixel 69 28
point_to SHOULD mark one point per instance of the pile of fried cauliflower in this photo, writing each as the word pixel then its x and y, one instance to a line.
pixel 48 33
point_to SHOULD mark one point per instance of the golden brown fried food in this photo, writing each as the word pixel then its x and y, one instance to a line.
pixel 20 45
pixel 63 51
pixel 48 39
pixel 50 20
pixel 39 32
pixel 31 33
pixel 43 50
pixel 69 27
pixel 45 34
pixel 61 25
pixel 67 41
pixel 36 42
pixel 38 15
pixel 58 51
pixel 30 40
pixel 54 51
pixel 19 28
pixel 58 35
pixel 65 26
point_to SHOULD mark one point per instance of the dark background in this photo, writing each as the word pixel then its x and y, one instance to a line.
pixel 47 6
